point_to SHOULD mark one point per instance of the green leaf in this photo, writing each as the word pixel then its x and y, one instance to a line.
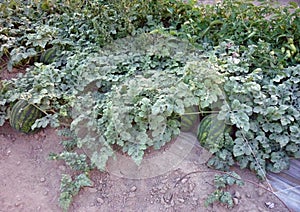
pixel 283 140
pixel 226 198
pixel 280 161
pixel 240 147
pixel 241 120
pixel 295 133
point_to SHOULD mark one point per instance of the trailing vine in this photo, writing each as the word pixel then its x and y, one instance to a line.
pixel 120 74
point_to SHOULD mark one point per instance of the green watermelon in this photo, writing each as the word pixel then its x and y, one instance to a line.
pixel 48 56
pixel 23 115
pixel 211 131
pixel 188 121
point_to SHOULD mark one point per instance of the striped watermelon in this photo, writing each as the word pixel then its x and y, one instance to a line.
pixel 211 131
pixel 48 56
pixel 23 115
pixel 188 121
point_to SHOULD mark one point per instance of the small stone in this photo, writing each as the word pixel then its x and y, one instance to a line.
pixel 42 179
pixel 203 187
pixel 270 205
pixel 133 189
pixel 235 201
pixel 248 195
pixel 181 200
pixel 17 204
pixel 62 168
pixel 131 195
pixel 8 152
pixel 184 180
pixel 92 208
pixel 100 200
pixel 163 191
pixel 18 163
pixel 237 195
pixel 160 186
pixel 260 192
pixel 92 190
pixel 191 187
pixel 261 209
pixel 185 190
pixel 164 181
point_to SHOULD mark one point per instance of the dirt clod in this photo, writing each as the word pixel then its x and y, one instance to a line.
pixel 237 195
pixel 260 192
pixel 133 189
pixel 181 200
pixel 235 201
pixel 270 205
pixel 100 200
pixel 62 168
pixel 184 180
pixel 91 190
pixel 131 195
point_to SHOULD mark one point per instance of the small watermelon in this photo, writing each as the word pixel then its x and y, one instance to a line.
pixel 189 120
pixel 23 115
pixel 211 131
pixel 48 56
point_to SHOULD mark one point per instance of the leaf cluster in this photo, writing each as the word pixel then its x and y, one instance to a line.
pixel 271 28
pixel 264 107
pixel 30 28
pixel 4 107
pixel 146 92
pixel 221 183
pixel 70 187
pixel 74 160
pixel 24 35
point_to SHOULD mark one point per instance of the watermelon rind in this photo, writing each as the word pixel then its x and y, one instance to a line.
pixel 211 132
pixel 23 115
pixel 48 56
pixel 189 119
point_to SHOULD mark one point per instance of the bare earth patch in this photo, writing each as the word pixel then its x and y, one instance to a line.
pixel 30 182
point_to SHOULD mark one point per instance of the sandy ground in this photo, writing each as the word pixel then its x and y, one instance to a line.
pixel 31 182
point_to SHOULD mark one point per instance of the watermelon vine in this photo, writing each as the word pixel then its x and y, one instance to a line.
pixel 127 75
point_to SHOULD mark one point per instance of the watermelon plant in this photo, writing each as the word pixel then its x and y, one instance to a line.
pixel 138 83
pixel 4 86
pixel 264 106
pixel 221 183
pixel 70 188
pixel 142 111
